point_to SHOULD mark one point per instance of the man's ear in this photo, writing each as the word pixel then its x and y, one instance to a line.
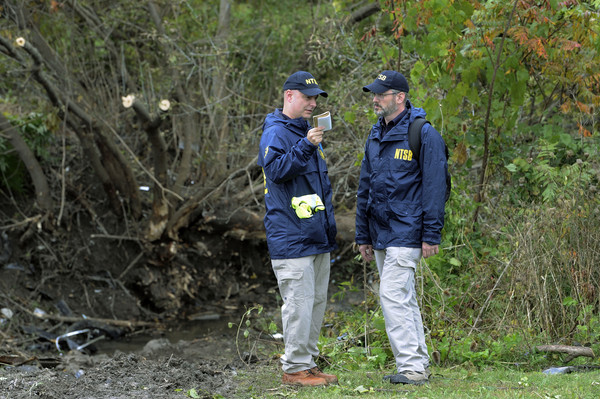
pixel 401 97
pixel 289 95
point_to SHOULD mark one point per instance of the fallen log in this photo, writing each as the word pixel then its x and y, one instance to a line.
pixel 247 224
pixel 572 351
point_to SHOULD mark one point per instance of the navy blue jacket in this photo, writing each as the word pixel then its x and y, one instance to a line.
pixel 400 201
pixel 292 167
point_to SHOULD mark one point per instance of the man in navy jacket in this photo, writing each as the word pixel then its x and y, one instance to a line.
pixel 400 216
pixel 293 164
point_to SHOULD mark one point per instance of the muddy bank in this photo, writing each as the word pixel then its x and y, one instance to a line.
pixel 159 370
pixel 189 359
pixel 204 367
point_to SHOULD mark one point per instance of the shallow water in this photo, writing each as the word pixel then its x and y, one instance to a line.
pixel 185 331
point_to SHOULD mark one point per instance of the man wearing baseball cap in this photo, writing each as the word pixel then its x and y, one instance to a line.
pixel 293 164
pixel 399 216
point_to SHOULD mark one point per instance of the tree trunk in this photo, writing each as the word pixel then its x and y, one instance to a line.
pixel 218 89
pixel 160 204
pixel 486 134
pixel 42 190
pixel 110 166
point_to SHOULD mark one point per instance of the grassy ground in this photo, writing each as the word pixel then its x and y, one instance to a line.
pixel 264 382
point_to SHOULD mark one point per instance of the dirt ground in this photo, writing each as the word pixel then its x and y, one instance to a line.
pixel 204 368
pixel 197 359
pixel 160 370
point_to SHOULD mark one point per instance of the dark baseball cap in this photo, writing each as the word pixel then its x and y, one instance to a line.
pixel 305 83
pixel 387 80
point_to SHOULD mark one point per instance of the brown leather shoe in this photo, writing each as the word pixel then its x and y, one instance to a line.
pixel 303 378
pixel 330 378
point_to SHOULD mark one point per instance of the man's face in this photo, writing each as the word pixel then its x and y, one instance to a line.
pixel 299 104
pixel 387 104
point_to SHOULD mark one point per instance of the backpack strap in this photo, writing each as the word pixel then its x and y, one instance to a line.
pixel 414 136
pixel 414 142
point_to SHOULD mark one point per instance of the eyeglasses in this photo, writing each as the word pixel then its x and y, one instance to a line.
pixel 380 96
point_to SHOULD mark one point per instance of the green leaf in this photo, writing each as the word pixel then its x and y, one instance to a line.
pixel 379 323
pixel 350 116
pixel 361 389
pixel 455 262
pixel 272 327
pixel 568 301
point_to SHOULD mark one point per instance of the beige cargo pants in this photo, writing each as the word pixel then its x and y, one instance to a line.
pixel 303 284
pixel 398 299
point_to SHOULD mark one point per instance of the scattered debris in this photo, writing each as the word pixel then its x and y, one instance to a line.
pixel 570 369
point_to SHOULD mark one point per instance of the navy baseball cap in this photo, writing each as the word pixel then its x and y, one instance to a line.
pixel 387 80
pixel 305 82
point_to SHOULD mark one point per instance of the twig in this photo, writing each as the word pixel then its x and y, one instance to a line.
pixel 33 219
pixel 114 237
pixel 120 323
pixel 63 185
pixel 365 289
pixel 133 262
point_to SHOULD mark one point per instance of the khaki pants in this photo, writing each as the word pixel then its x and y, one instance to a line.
pixel 398 298
pixel 303 284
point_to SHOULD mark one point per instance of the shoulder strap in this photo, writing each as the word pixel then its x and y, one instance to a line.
pixel 414 136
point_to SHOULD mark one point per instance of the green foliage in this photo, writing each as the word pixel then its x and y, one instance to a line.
pixel 243 329
pixel 505 69
pixel 512 346
pixel 558 167
pixel 347 349
pixel 588 323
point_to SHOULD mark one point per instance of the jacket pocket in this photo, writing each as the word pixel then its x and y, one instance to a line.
pixel 286 270
pixel 406 219
pixel 312 230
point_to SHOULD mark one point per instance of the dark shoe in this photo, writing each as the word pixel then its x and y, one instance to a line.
pixel 427 372
pixel 330 378
pixel 408 377
pixel 303 378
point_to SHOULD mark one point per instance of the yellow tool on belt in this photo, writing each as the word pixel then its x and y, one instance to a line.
pixel 307 205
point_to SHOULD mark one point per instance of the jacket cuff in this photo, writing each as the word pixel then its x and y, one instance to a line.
pixel 432 238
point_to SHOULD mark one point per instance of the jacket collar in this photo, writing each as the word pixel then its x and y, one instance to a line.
pixel 298 126
pixel 401 127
